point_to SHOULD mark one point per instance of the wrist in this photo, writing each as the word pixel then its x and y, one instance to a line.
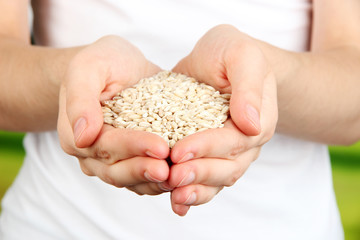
pixel 284 64
pixel 56 69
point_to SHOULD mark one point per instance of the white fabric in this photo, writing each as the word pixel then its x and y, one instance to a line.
pixel 286 194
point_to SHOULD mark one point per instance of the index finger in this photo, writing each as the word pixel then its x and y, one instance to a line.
pixel 114 144
pixel 227 142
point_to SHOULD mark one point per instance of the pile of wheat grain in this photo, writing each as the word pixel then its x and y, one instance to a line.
pixel 168 104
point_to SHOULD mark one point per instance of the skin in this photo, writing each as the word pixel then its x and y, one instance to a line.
pixel 308 109
pixel 214 165
pixel 40 82
pixel 114 155
pixel 301 94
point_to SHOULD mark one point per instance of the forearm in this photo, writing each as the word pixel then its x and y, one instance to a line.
pixel 30 79
pixel 318 93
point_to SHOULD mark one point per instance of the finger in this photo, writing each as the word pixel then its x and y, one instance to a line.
pixel 179 209
pixel 211 171
pixel 129 172
pixel 112 144
pixel 227 142
pixel 193 195
pixel 147 188
pixel 115 144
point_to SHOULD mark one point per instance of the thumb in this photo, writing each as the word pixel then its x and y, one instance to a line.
pixel 83 106
pixel 246 74
pixel 245 114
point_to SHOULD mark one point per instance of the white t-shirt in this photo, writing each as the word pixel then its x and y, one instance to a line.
pixel 286 193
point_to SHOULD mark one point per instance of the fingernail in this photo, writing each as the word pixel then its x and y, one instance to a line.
pixel 253 116
pixel 189 178
pixel 150 178
pixel 79 128
pixel 165 187
pixel 186 157
pixel 150 154
pixel 191 199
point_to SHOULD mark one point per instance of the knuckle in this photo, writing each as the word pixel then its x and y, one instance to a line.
pixel 117 184
pixel 86 171
pixel 134 174
pixel 257 154
pixel 238 148
pixel 219 82
pixel 233 178
pixel 99 152
pixel 211 194
pixel 267 135
pixel 108 178
pixel 155 189
pixel 203 175
pixel 135 190
pixel 139 193
pixel 230 181
pixel 68 149
pixel 247 47
pixel 102 154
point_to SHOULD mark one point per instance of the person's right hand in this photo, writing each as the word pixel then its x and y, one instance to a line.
pixel 121 157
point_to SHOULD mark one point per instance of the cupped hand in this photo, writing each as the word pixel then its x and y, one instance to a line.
pixel 121 157
pixel 207 161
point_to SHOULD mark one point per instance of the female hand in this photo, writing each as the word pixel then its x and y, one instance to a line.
pixel 207 161
pixel 121 157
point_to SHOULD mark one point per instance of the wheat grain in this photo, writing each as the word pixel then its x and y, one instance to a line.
pixel 168 104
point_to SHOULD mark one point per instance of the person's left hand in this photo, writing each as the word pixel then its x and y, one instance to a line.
pixel 207 161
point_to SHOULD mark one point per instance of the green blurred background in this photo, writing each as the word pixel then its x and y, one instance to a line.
pixel 345 162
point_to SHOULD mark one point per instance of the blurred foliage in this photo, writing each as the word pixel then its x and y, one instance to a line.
pixel 11 157
pixel 345 162
pixel 345 156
